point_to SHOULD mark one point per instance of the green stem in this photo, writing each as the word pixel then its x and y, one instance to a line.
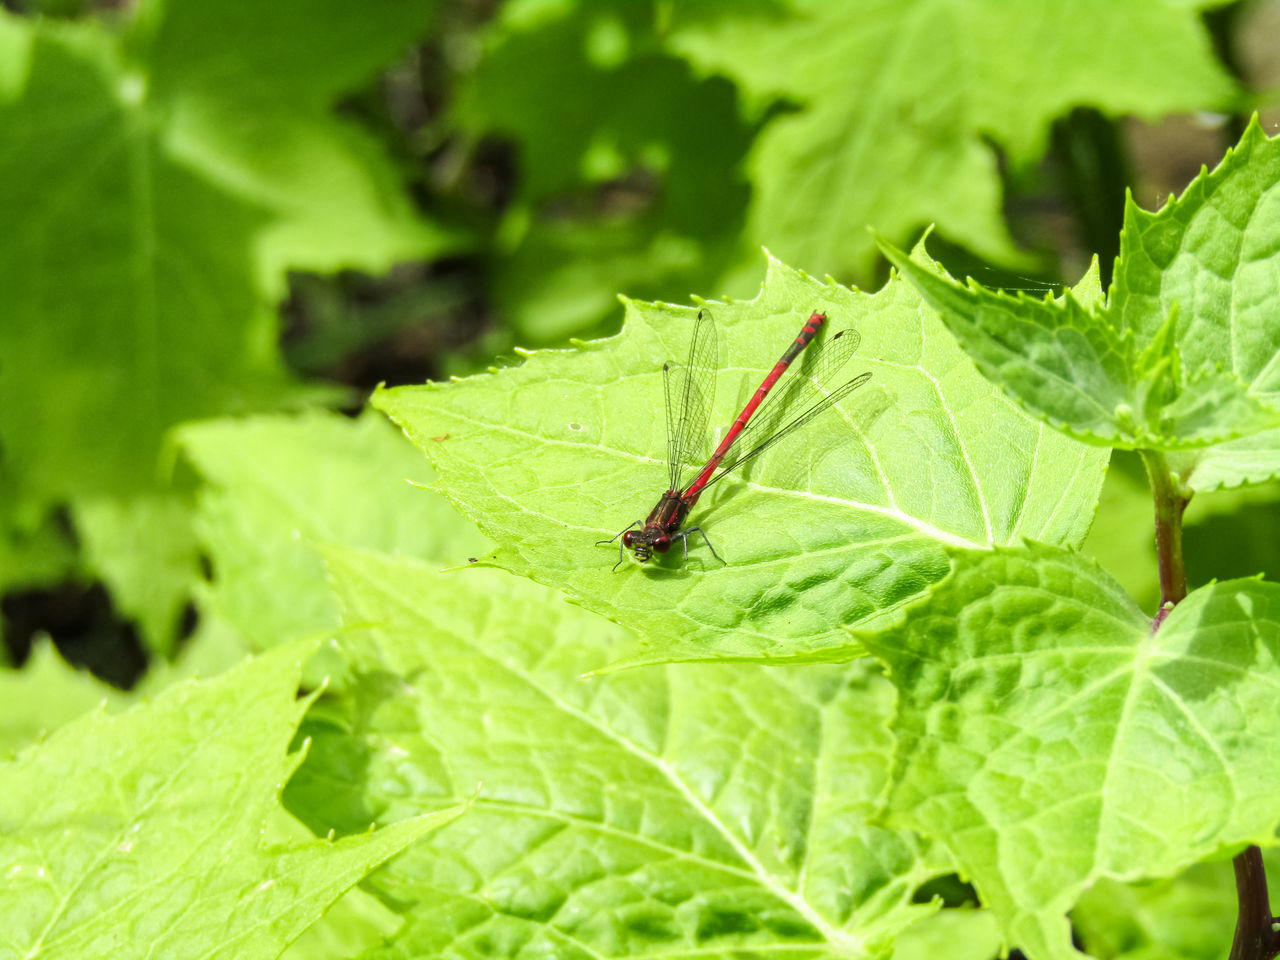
pixel 1171 502
pixel 1255 939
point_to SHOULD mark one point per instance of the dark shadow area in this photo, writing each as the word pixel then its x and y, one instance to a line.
pixel 83 625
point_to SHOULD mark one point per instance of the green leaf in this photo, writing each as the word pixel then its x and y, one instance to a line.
pixel 215 647
pixel 1050 739
pixel 629 193
pixel 43 695
pixel 34 547
pixel 140 835
pixel 1086 377
pixel 901 103
pixel 1188 917
pixel 835 525
pixel 695 809
pixel 1054 355
pixel 277 486
pixel 1212 253
pixel 1232 533
pixel 1248 460
pixel 154 186
pixel 1121 538
pixel 355 923
pixel 89 202
pixel 1180 356
pixel 1210 257
pixel 248 93
pixel 956 934
pixel 144 548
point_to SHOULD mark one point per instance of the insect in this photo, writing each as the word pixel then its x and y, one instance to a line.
pixel 690 391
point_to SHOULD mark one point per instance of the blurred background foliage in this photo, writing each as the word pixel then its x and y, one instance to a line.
pixel 221 224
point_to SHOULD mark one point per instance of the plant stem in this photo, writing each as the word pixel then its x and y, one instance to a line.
pixel 1171 502
pixel 1255 939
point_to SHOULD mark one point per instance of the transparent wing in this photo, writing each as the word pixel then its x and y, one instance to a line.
pixel 815 409
pixel 690 392
pixel 801 386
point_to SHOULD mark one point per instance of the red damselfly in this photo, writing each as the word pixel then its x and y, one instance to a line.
pixel 690 391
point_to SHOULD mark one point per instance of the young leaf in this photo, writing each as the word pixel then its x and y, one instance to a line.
pixel 696 809
pixel 1182 355
pixel 277 486
pixel 895 105
pixel 1050 739
pixel 1248 460
pixel 140 835
pixel 843 520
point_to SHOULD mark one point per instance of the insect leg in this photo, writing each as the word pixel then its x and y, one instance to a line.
pixel 705 540
pixel 618 534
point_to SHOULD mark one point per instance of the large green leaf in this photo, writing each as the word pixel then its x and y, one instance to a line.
pixel 685 810
pixel 277 486
pixel 154 185
pixel 900 102
pixel 834 526
pixel 1049 738
pixel 1183 354
pixel 141 835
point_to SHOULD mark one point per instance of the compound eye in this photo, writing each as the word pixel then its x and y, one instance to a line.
pixel 627 538
pixel 662 544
